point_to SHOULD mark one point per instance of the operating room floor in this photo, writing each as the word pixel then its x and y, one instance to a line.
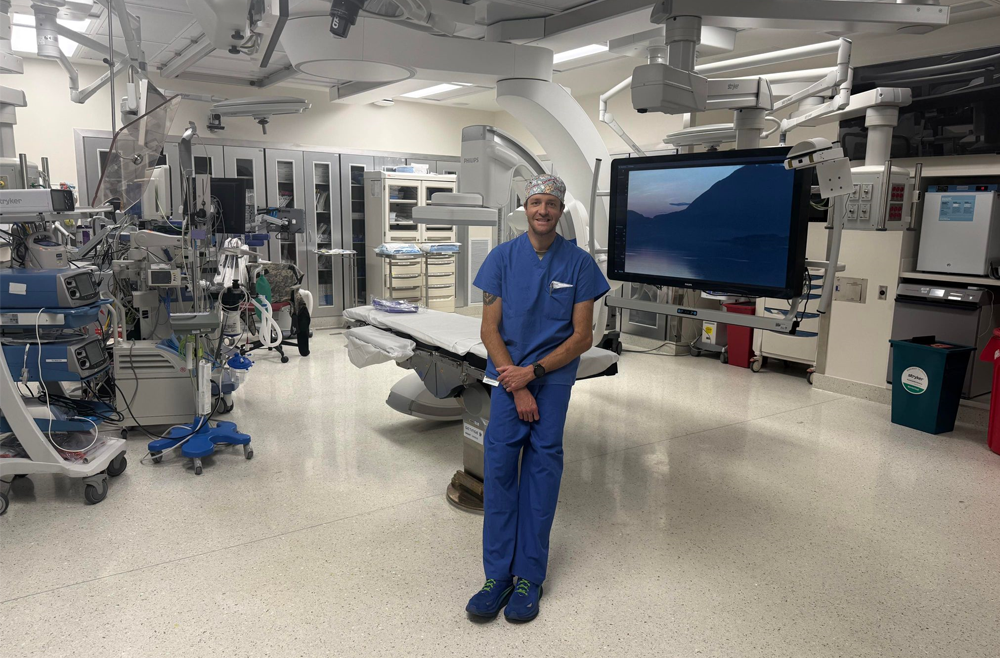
pixel 704 510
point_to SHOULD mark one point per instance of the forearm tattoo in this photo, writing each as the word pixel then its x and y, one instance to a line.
pixel 488 299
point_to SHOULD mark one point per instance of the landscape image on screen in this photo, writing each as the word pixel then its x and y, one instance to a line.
pixel 721 223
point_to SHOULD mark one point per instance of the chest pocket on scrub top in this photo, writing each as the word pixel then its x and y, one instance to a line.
pixel 559 303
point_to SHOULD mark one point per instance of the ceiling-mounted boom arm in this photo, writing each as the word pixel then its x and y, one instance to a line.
pixel 843 16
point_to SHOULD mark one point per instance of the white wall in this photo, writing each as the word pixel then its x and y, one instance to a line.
pixel 45 127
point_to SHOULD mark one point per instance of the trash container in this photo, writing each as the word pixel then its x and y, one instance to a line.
pixel 992 353
pixel 927 380
pixel 739 349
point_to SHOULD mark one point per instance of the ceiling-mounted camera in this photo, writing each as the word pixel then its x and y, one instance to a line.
pixel 343 16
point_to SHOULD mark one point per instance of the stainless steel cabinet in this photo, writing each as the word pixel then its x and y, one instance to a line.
pixel 286 189
pixel 352 195
pixel 327 275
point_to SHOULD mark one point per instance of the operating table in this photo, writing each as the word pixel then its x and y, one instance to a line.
pixel 449 364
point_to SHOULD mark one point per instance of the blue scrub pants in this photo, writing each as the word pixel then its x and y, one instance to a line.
pixel 518 511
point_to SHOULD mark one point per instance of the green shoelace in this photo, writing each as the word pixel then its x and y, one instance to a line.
pixel 488 587
pixel 523 586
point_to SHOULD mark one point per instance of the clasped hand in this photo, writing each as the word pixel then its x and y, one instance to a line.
pixel 513 378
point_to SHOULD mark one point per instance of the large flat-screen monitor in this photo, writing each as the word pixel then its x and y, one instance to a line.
pixel 731 222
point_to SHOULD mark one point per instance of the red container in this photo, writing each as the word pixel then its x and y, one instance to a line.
pixel 740 346
pixel 992 353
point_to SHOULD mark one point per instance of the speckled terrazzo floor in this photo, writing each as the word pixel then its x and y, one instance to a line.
pixel 705 511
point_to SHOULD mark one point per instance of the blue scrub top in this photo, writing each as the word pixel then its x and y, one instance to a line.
pixel 538 298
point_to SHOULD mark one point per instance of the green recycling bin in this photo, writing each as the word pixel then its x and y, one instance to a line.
pixel 927 380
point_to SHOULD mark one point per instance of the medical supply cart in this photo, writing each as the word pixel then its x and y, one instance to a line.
pixel 389 202
pixel 404 276
pixel 439 276
pixel 34 448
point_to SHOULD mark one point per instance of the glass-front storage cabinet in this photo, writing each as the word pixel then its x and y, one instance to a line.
pixel 328 275
pixel 286 189
pixel 352 194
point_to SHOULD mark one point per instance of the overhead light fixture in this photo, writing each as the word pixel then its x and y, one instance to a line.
pixel 23 38
pixel 577 53
pixel 431 91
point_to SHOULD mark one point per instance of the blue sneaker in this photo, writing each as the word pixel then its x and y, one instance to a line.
pixel 490 599
pixel 523 604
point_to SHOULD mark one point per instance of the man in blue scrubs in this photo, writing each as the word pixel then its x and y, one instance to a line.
pixel 538 309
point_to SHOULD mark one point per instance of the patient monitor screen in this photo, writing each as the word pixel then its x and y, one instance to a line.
pixel 728 222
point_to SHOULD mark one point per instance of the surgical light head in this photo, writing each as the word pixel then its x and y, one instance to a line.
pixel 261 109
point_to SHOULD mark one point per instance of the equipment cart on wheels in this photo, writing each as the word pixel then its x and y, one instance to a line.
pixel 31 444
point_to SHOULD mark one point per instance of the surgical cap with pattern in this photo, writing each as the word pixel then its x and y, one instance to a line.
pixel 547 184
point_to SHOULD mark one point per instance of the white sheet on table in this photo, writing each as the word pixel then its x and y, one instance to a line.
pixel 368 346
pixel 459 334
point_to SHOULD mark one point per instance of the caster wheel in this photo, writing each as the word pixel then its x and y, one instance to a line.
pixel 695 351
pixel 4 503
pixel 284 359
pixel 618 349
pixel 20 475
pixel 756 365
pixel 197 467
pixel 724 357
pixel 124 434
pixel 229 407
pixel 117 466
pixel 95 494
pixel 248 452
pixel 157 457
pixel 809 378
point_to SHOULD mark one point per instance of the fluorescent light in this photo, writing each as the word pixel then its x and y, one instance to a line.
pixel 23 39
pixel 577 53
pixel 431 91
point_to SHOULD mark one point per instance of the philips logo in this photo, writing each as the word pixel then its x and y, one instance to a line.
pixel 470 160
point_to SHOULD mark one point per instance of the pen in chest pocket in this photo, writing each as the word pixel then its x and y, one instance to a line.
pixel 558 285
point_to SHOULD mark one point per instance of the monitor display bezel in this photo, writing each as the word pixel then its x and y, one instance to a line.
pixel 798 219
